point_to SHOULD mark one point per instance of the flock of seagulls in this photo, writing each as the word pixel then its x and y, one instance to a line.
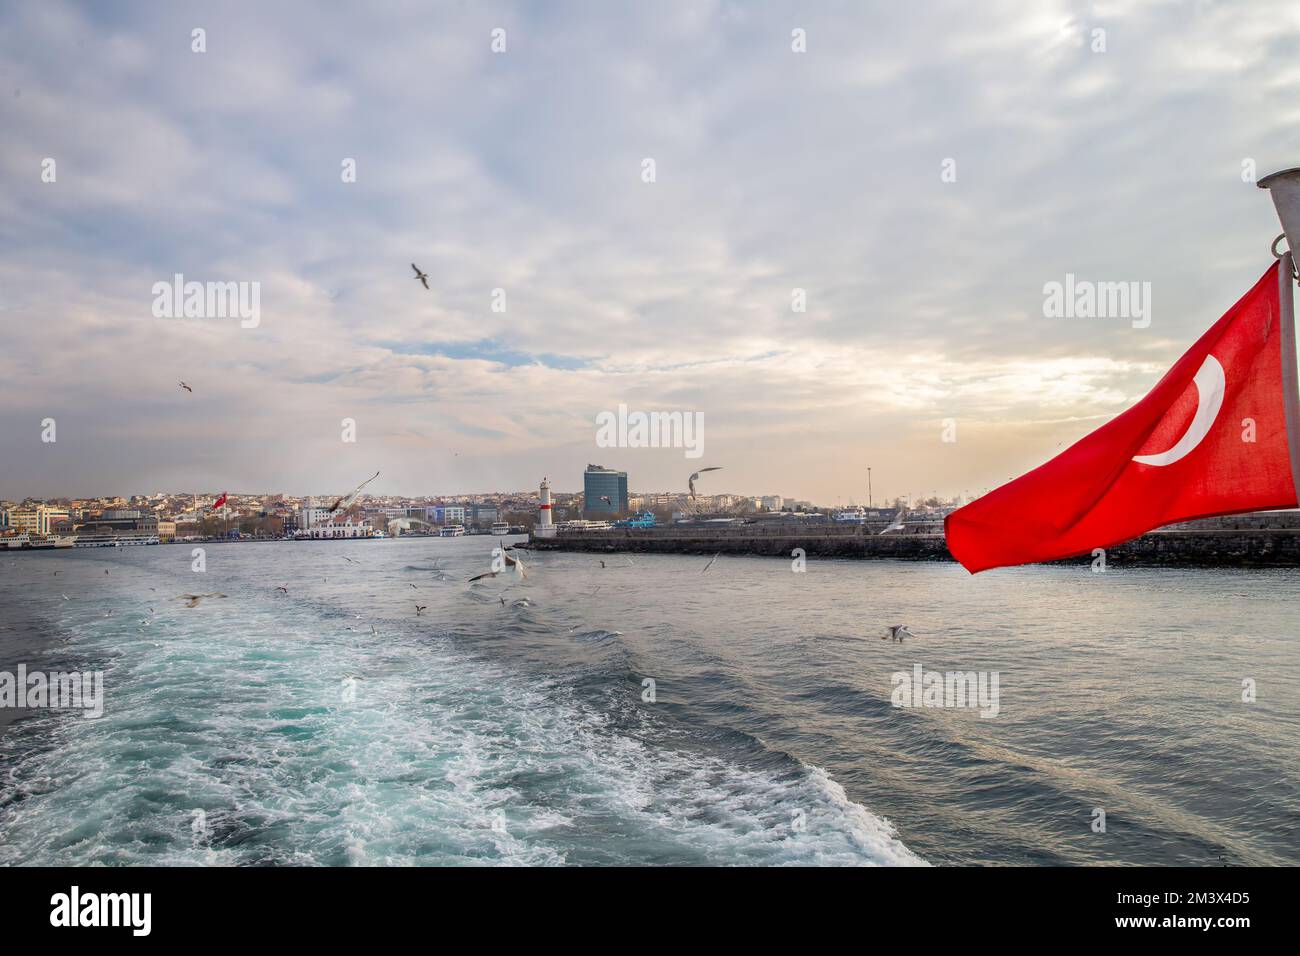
pixel 895 632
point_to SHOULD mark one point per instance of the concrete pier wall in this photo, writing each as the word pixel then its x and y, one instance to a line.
pixel 1230 547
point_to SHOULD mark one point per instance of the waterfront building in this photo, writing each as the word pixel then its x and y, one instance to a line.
pixel 37 520
pixel 599 482
pixel 337 529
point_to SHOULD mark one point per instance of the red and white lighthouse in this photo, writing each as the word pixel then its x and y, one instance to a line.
pixel 545 528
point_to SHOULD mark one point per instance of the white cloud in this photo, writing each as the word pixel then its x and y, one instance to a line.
pixel 776 170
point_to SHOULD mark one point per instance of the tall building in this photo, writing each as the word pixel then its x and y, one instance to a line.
pixel 600 483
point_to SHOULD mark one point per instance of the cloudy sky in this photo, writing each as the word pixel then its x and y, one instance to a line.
pixel 523 170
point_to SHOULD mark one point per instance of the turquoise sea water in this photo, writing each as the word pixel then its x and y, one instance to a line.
pixel 272 728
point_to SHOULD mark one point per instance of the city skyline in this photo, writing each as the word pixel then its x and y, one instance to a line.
pixel 521 171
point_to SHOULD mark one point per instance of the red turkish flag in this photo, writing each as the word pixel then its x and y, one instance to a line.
pixel 219 502
pixel 1182 452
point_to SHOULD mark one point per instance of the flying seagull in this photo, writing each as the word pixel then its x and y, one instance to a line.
pixel 422 276
pixel 420 609
pixel 710 564
pixel 514 563
pixel 897 523
pixel 194 599
pixel 186 387
pixel 897 632
pixel 485 574
pixel 347 500
pixel 691 480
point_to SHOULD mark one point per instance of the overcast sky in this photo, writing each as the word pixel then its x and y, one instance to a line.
pixel 522 170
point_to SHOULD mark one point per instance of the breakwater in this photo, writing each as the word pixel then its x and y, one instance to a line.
pixel 1203 546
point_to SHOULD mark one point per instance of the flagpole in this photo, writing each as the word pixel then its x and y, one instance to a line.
pixel 1284 188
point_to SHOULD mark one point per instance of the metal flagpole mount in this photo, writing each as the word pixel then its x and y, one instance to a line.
pixel 1284 187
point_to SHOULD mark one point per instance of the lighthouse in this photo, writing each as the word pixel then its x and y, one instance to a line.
pixel 544 529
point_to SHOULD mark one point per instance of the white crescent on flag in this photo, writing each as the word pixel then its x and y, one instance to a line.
pixel 1210 383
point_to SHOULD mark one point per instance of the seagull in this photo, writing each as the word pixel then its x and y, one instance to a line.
pixel 606 499
pixel 347 500
pixel 413 587
pixel 602 564
pixel 186 387
pixel 346 558
pixel 374 631
pixel 710 564
pixel 485 574
pixel 897 523
pixel 897 632
pixel 503 600
pixel 420 609
pixel 194 599
pixel 422 276
pixel 65 597
pixel 283 588
pixel 514 563
pixel 691 480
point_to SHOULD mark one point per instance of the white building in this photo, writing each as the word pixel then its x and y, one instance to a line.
pixel 337 529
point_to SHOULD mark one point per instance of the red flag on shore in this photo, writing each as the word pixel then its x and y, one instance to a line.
pixel 219 502
pixel 1209 439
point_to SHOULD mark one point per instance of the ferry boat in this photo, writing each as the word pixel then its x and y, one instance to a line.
pixel 851 516
pixel 114 540
pixel 500 528
pixel 26 541
pixel 452 531
pixel 580 524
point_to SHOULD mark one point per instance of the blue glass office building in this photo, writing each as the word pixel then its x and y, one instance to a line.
pixel 599 483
